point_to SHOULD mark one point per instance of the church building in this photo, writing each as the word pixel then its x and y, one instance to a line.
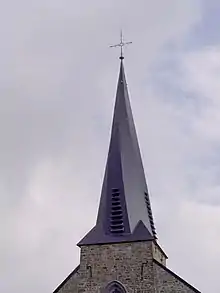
pixel 121 252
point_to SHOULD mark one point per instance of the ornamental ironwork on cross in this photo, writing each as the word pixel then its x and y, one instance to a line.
pixel 121 45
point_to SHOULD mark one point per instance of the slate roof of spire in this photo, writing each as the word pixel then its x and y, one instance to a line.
pixel 124 212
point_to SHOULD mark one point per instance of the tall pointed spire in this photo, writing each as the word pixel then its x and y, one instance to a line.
pixel 124 212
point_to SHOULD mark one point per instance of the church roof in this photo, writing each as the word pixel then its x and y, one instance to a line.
pixel 125 211
pixel 66 280
pixel 176 276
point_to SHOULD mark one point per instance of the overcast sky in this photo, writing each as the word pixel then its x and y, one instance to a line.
pixel 57 91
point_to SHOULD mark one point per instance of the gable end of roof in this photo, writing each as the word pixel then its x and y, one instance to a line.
pixel 65 280
pixel 176 277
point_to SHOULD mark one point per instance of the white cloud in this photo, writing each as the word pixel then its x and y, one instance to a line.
pixel 202 73
pixel 185 179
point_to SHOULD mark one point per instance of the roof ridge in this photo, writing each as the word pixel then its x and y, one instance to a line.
pixel 176 276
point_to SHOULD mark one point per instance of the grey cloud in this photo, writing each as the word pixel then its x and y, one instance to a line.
pixel 57 90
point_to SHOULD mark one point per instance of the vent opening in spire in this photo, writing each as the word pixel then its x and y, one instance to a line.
pixel 116 220
pixel 150 215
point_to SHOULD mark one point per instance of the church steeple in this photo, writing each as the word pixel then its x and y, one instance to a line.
pixel 121 254
pixel 125 211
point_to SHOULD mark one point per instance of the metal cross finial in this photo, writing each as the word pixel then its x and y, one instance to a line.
pixel 121 45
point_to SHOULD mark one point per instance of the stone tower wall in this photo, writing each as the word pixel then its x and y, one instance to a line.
pixel 133 264
pixel 129 263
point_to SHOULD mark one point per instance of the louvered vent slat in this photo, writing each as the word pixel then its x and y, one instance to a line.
pixel 147 201
pixel 116 218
